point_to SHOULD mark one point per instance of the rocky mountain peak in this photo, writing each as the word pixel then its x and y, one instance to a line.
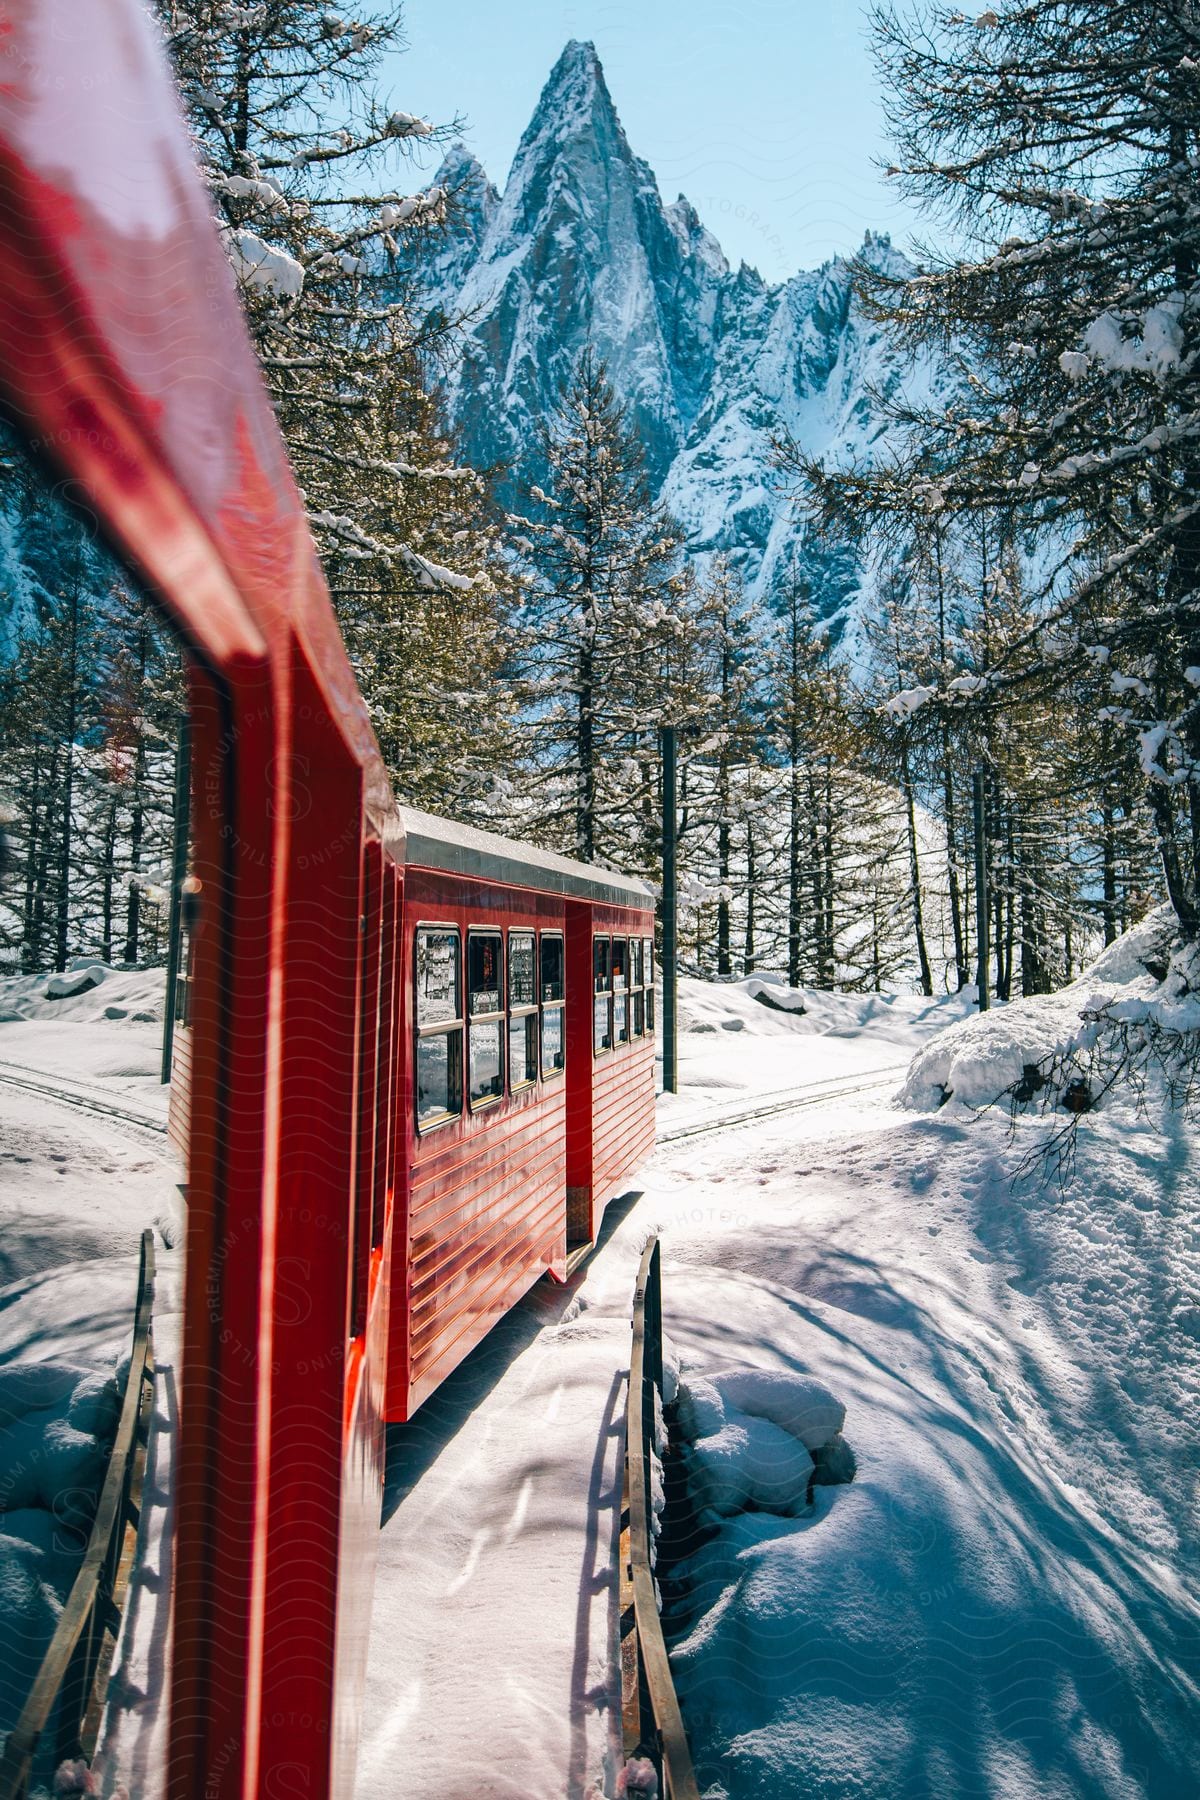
pixel 713 364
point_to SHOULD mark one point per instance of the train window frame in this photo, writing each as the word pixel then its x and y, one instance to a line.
pixel 602 996
pixel 637 984
pixel 478 1020
pixel 547 1006
pixel 447 1028
pixel 523 1013
pixel 648 982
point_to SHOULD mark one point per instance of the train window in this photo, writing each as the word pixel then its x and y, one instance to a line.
pixel 553 992
pixel 439 1077
pixel 437 978
pixel 483 972
pixel 602 1025
pixel 485 1005
pixel 523 1049
pixel 487 1061
pixel 637 1000
pixel 439 1027
pixel 648 978
pixel 521 989
pixel 554 1048
pixel 553 984
pixel 522 1011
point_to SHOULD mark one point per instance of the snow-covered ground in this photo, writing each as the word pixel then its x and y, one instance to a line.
pixel 1003 1602
pixel 77 1189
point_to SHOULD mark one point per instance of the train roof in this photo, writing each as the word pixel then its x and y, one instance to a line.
pixel 433 843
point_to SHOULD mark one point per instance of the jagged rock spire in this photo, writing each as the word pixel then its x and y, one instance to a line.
pixel 712 363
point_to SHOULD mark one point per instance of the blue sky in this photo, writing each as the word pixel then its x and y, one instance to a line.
pixel 766 116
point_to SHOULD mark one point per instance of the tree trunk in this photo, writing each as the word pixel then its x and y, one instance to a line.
pixel 585 744
pixel 724 850
pixel 962 968
pixel 66 842
pixel 106 881
pixel 751 881
pixel 795 896
pixel 914 876
pixel 133 910
pixel 1108 849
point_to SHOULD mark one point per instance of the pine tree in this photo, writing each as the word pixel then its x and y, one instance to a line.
pixel 604 562
pixel 88 704
pixel 303 160
pixel 1060 139
pixel 730 631
pixel 308 168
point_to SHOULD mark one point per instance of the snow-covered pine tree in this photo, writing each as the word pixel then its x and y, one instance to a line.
pixel 1060 141
pixel 839 850
pixel 310 171
pixel 605 567
pixel 307 170
pixel 731 631
pixel 428 641
pixel 87 700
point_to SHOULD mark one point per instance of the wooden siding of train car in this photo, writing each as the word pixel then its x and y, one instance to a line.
pixel 481 1198
pixel 610 1097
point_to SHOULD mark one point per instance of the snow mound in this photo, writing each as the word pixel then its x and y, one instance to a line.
pixel 750 1438
pixel 978 1059
pixel 750 1463
pixel 84 994
pixel 56 1428
pixel 765 1006
pixel 797 1404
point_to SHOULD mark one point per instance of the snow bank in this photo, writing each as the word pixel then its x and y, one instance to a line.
pixel 750 1436
pixel 976 1060
pixel 86 994
pixel 56 1426
pixel 766 1006
pixel 97 1023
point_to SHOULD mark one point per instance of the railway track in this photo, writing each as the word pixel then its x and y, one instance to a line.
pixel 813 1093
pixel 88 1096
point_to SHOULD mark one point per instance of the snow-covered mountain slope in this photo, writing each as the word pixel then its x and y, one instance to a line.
pixel 713 363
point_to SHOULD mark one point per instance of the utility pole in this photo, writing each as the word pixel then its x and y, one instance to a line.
pixel 982 924
pixel 670 915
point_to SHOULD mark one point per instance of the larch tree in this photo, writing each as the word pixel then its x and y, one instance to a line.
pixel 310 171
pixel 1058 142
pixel 604 564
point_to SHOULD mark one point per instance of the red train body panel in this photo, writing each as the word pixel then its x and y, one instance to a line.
pixel 342 1253
pixel 610 1126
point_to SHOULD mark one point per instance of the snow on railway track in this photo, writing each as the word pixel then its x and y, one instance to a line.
pixel 89 1095
pixel 813 1093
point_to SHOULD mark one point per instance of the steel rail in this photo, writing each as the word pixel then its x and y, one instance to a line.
pixel 87 1096
pixel 808 1096
pixel 652 1720
pixel 76 1661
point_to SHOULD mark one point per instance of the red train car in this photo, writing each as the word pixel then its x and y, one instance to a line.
pixel 355 1218
pixel 503 1081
